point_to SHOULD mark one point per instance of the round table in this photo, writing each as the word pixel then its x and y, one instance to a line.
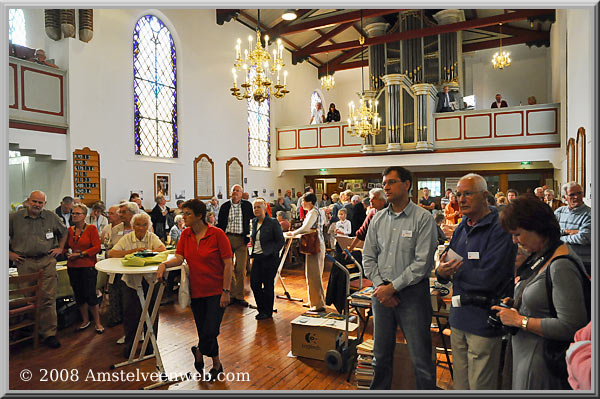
pixel 112 266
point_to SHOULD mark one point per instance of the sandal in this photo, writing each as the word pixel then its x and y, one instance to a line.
pixel 83 327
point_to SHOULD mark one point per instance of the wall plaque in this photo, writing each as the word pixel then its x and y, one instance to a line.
pixel 235 174
pixel 204 177
pixel 86 175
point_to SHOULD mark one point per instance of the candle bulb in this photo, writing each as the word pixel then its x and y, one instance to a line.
pixel 234 77
pixel 284 77
pixel 266 42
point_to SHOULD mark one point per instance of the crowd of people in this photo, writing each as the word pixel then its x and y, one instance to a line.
pixel 523 259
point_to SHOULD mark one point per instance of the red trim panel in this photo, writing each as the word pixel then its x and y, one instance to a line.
pixel 459 129
pixel 473 116
pixel 25 108
pixel 39 128
pixel 510 135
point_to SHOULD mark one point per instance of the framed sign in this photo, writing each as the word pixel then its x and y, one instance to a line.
pixel 204 177
pixel 162 185
pixel 235 174
pixel 86 175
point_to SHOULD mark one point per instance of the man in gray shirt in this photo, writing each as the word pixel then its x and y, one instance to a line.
pixel 36 237
pixel 398 259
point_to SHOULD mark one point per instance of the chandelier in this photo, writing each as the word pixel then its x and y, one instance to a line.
pixel 501 59
pixel 365 120
pixel 327 81
pixel 259 67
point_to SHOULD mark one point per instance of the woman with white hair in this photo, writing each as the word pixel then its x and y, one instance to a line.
pixel 267 241
pixel 138 240
pixel 177 228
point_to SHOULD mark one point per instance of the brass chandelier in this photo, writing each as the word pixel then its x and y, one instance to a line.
pixel 365 121
pixel 259 67
pixel 327 81
pixel 501 59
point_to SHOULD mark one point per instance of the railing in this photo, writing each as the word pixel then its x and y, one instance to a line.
pixel 532 126
pixel 518 127
pixel 37 97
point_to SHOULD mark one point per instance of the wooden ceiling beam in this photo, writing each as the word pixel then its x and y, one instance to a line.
pixel 349 65
pixel 316 43
pixel 284 23
pixel 338 61
pixel 434 30
pixel 283 39
pixel 316 23
pixel 533 37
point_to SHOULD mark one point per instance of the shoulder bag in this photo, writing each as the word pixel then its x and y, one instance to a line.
pixel 555 351
pixel 309 243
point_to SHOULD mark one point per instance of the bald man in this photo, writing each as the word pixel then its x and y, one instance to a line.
pixel 234 219
pixel 36 237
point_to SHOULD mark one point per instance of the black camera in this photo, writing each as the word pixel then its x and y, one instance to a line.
pixel 494 320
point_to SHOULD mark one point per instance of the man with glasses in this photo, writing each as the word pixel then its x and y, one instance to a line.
pixel 234 219
pixel 398 259
pixel 575 222
pixel 480 262
pixel 36 237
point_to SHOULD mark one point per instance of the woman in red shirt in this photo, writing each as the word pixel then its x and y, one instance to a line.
pixel 452 211
pixel 84 243
pixel 208 254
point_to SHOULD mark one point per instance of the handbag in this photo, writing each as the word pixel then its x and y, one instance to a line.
pixel 184 288
pixel 554 352
pixel 309 243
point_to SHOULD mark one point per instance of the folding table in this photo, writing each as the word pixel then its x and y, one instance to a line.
pixel 112 266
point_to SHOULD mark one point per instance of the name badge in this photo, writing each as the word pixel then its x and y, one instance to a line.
pixel 49 235
pixel 473 255
pixel 120 233
pixel 407 233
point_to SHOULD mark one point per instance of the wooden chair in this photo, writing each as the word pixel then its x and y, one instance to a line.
pixel 24 307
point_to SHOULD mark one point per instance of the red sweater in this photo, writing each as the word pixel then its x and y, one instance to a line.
pixel 88 242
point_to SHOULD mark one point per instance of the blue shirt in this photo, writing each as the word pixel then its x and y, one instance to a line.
pixel 489 272
pixel 399 247
pixel 580 219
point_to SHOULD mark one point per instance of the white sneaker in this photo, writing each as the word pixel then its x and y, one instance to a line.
pixel 121 340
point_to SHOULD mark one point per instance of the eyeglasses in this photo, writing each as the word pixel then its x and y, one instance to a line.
pixel 575 195
pixel 390 182
pixel 77 213
pixel 466 194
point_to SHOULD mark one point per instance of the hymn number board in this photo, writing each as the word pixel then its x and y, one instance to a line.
pixel 86 175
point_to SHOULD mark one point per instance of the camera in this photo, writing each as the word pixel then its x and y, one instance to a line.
pixel 494 320
pixel 485 302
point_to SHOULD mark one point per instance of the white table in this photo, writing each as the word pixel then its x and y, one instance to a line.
pixel 113 266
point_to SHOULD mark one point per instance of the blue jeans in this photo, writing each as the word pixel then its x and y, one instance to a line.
pixel 413 315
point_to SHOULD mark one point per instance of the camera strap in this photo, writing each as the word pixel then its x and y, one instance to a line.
pixel 531 267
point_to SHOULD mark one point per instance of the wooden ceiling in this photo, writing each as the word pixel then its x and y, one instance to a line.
pixel 328 38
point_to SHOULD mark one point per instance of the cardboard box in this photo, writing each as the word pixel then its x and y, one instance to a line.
pixel 313 336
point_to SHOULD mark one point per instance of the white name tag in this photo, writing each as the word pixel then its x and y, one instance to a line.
pixel 120 233
pixel 407 233
pixel 473 255
pixel 49 235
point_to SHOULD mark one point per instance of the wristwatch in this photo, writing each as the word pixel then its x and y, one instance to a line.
pixel 226 290
pixel 81 255
pixel 524 323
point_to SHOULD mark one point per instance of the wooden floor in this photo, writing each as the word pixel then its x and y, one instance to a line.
pixel 259 349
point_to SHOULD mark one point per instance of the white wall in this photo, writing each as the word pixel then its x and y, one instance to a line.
pixel 580 77
pixel 527 75
pixel 210 120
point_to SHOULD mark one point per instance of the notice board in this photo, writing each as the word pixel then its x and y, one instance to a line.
pixel 86 175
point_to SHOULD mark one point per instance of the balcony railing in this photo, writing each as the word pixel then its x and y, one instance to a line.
pixel 520 127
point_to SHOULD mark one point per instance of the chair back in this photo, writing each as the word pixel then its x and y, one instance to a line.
pixel 23 306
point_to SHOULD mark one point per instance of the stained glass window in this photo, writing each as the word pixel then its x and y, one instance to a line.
pixel 259 132
pixel 154 89
pixel 16 26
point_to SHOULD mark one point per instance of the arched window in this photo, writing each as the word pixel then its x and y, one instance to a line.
pixel 154 89
pixel 259 131
pixel 16 26
pixel 314 99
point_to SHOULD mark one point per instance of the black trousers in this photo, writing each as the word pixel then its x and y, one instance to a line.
pixel 262 281
pixel 132 311
pixel 208 315
pixel 83 281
